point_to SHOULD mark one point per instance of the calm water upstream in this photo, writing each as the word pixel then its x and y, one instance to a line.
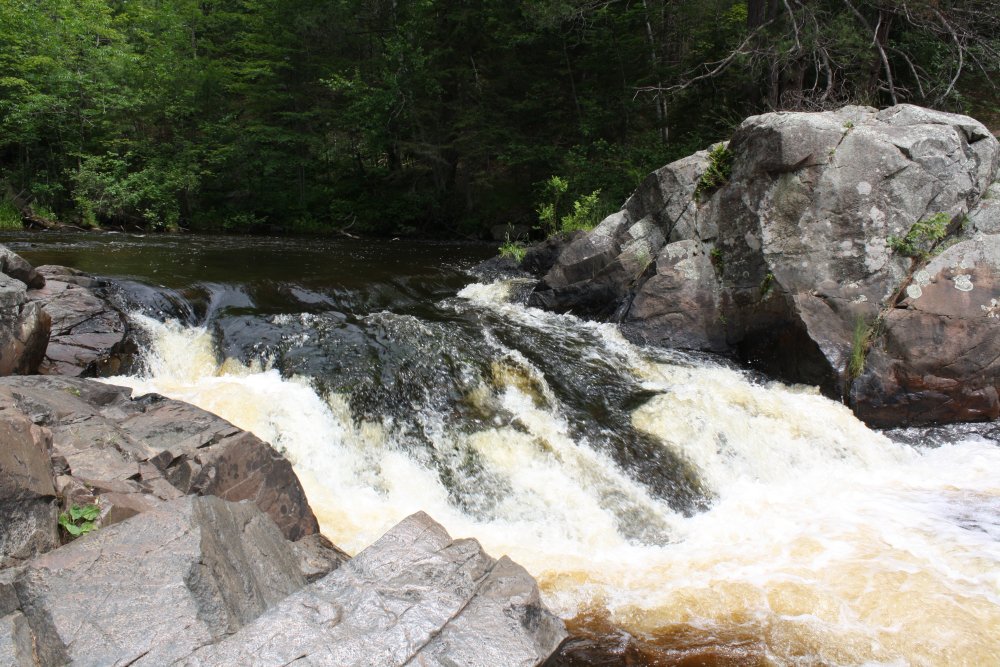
pixel 675 510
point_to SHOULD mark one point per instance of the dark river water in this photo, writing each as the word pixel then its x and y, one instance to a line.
pixel 676 510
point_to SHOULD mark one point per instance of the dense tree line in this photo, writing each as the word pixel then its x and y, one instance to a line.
pixel 433 117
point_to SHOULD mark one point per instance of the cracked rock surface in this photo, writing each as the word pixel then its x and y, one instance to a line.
pixel 132 455
pixel 415 597
pixel 90 336
pixel 781 264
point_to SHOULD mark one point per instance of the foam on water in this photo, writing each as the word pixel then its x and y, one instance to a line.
pixel 825 541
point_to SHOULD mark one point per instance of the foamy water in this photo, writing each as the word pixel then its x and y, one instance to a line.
pixel 824 541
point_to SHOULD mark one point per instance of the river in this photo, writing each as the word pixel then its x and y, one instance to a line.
pixel 675 509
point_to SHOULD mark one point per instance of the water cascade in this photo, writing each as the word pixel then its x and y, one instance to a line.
pixel 667 496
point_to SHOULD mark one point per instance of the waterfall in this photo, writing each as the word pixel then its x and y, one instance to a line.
pixel 815 539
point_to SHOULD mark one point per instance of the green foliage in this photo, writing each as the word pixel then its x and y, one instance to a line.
pixel 860 342
pixel 718 262
pixel 553 192
pixel 80 520
pixel 767 284
pixel 261 115
pixel 720 167
pixel 587 212
pixel 922 237
pixel 514 250
pixel 583 214
pixel 10 217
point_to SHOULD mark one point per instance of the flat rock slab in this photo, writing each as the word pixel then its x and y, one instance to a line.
pixel 90 336
pixel 415 597
pixel 150 590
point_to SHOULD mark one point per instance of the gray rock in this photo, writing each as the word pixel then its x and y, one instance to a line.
pixel 90 336
pixel 938 356
pixel 27 494
pixel 985 218
pixel 156 448
pixel 16 648
pixel 800 242
pixel 152 589
pixel 679 305
pixel 318 556
pixel 414 597
pixel 24 329
pixel 17 267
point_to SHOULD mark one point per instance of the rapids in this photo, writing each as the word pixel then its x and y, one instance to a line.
pixel 675 509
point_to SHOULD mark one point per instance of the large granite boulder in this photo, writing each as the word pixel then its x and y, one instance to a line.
pixel 155 588
pixel 90 335
pixel 130 456
pixel 821 225
pixel 415 597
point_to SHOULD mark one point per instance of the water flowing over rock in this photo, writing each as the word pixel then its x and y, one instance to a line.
pixel 799 261
pixel 204 528
pixel 415 597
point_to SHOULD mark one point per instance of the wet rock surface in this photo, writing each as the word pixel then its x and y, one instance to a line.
pixel 803 247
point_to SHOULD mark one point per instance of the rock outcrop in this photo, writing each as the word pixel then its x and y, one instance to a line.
pixel 208 554
pixel 415 597
pixel 24 326
pixel 806 259
pixel 90 336
pixel 132 455
pixel 151 590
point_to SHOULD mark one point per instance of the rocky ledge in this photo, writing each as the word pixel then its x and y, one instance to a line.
pixel 857 250
pixel 196 544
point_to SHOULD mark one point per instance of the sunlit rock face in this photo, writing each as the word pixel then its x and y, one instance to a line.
pixel 793 262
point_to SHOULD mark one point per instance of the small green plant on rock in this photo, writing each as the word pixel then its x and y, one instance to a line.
pixel 718 263
pixel 720 167
pixel 767 284
pixel 514 250
pixel 922 237
pixel 80 520
pixel 859 348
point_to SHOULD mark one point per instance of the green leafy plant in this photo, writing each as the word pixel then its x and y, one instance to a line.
pixel 548 211
pixel 515 250
pixel 586 213
pixel 922 237
pixel 79 520
pixel 720 167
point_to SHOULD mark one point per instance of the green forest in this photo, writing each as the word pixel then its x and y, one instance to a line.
pixel 431 118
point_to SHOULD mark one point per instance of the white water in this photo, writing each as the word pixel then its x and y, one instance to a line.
pixel 826 543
